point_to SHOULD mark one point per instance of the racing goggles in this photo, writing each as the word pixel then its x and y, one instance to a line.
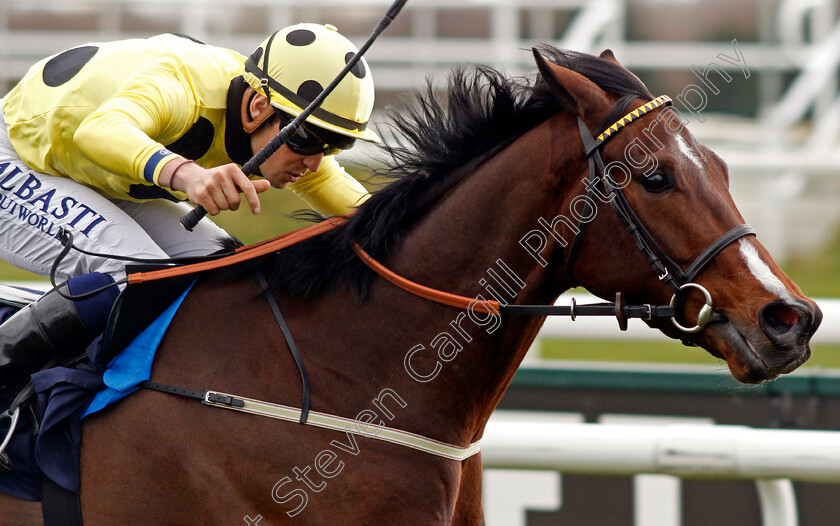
pixel 312 140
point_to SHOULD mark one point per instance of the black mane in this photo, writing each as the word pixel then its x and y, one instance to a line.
pixel 439 143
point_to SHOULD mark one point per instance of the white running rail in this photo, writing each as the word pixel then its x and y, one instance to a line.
pixel 769 457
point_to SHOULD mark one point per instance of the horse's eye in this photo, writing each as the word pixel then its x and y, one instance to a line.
pixel 656 182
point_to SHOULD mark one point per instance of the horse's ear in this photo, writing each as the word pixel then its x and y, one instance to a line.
pixel 574 91
pixel 608 55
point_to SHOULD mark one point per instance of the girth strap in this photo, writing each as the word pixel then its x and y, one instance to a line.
pixel 171 389
pixel 60 506
pixel 211 397
pixel 323 420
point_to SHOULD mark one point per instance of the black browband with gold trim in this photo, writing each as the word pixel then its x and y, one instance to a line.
pixel 662 100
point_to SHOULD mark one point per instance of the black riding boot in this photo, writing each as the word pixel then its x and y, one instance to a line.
pixel 54 327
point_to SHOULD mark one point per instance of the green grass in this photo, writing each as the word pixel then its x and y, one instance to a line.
pixel 624 350
pixel 818 275
pixel 9 272
pixel 274 218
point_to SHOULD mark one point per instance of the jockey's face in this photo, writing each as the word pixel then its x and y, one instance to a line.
pixel 284 166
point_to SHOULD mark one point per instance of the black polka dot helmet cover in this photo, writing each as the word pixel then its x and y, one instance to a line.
pixel 302 60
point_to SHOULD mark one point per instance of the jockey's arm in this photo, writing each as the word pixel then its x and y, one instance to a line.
pixel 330 190
pixel 126 134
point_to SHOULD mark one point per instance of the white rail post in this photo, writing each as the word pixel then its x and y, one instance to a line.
pixel 504 31
pixel 778 502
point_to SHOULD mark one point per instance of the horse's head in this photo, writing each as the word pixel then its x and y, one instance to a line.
pixel 648 171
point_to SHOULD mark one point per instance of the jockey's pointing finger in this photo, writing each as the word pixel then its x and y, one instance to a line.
pixel 251 189
pixel 215 189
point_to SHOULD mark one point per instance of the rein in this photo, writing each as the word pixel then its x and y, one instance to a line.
pixel 618 309
pixel 242 254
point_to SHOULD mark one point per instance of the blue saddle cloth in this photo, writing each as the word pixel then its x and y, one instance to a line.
pixel 68 395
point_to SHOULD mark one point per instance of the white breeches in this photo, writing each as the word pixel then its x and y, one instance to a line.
pixel 34 206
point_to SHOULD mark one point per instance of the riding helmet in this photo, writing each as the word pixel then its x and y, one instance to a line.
pixel 293 66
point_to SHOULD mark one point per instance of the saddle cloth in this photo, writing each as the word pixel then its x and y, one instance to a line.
pixel 67 395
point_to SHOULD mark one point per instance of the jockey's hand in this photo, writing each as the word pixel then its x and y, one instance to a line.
pixel 217 188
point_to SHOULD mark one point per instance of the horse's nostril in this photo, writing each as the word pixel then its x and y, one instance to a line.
pixel 788 323
pixel 780 317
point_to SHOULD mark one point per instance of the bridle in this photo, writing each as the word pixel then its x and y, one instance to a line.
pixel 669 272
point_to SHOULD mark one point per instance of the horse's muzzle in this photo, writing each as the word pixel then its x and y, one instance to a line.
pixel 788 325
pixel 761 349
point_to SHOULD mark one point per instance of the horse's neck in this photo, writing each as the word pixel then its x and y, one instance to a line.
pixel 470 245
pixel 484 218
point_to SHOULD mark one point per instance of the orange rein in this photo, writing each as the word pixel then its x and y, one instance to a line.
pixel 280 242
pixel 438 296
pixel 243 253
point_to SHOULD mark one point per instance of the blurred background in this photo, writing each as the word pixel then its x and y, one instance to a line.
pixel 772 112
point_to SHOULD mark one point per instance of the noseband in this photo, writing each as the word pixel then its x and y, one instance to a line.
pixel 669 272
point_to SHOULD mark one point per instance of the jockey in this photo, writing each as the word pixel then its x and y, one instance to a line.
pixel 109 139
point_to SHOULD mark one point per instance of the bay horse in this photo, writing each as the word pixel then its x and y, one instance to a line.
pixel 486 186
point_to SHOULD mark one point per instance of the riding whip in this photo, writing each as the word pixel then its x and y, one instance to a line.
pixel 191 219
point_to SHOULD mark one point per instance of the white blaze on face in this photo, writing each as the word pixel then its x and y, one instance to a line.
pixel 689 152
pixel 761 271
